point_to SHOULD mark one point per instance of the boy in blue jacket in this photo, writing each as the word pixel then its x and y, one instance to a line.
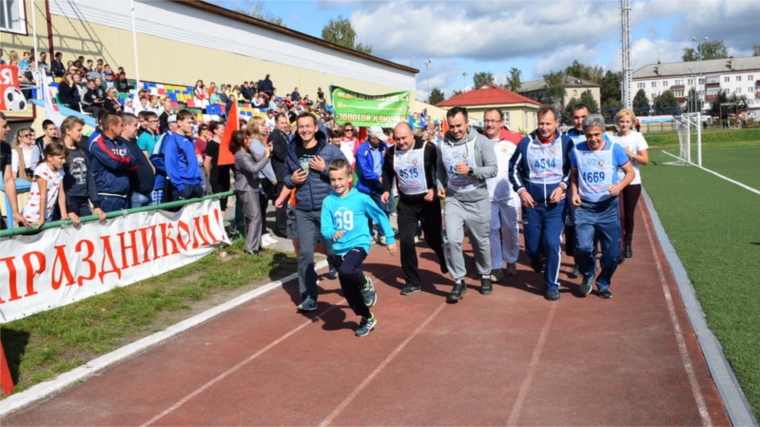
pixel 345 222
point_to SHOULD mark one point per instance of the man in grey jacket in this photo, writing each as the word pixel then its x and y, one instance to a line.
pixel 465 160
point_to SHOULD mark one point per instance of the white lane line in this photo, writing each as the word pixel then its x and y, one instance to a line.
pixel 347 401
pixel 225 374
pixel 528 380
pixel 682 349
pixel 744 186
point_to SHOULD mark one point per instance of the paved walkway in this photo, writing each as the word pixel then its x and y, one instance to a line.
pixel 510 358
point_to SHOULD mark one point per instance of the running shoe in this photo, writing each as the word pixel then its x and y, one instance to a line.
pixel 496 274
pixel 511 269
pixel 307 305
pixel 486 287
pixel 586 285
pixel 368 292
pixel 459 290
pixel 575 273
pixel 552 295
pixel 365 326
pixel 605 294
pixel 411 289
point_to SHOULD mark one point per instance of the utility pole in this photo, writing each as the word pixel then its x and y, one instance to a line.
pixel 464 81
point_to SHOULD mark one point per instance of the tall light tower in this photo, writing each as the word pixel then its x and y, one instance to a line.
pixel 625 26
pixel 464 81
pixel 427 76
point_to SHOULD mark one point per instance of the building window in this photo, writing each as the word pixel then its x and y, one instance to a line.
pixel 750 89
pixel 738 90
pixel 12 16
pixel 665 83
pixel 727 79
pixel 678 93
pixel 679 82
pixel 690 82
pixel 713 80
pixel 641 85
pixel 654 84
pixel 701 81
pixel 750 77
pixel 738 78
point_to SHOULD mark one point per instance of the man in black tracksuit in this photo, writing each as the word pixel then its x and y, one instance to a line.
pixel 412 163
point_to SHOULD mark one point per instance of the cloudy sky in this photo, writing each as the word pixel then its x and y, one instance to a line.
pixel 534 36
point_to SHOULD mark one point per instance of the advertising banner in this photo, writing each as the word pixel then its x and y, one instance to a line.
pixel 370 110
pixel 11 98
pixel 59 266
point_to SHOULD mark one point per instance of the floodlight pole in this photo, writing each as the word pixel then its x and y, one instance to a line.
pixel 464 81
pixel 427 76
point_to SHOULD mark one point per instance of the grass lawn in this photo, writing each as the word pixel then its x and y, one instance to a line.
pixel 715 227
pixel 41 346
pixel 709 136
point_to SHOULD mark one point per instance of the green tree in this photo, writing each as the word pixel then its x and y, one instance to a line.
pixel 436 96
pixel 708 49
pixel 255 9
pixel 693 101
pixel 756 50
pixel 481 78
pixel 555 87
pixel 715 109
pixel 641 103
pixel 610 107
pixel 514 80
pixel 588 98
pixel 456 92
pixel 666 103
pixel 340 31
pixel 610 90
pixel 592 73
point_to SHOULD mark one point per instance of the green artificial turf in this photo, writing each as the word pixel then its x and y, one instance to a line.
pixel 714 226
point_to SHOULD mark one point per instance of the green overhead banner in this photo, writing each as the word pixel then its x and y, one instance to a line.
pixel 370 110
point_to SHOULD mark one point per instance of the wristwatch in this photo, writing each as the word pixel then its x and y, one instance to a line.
pixel 470 172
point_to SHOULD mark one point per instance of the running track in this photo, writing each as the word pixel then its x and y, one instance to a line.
pixel 510 358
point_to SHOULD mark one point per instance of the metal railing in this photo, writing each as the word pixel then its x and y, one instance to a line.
pixel 16 231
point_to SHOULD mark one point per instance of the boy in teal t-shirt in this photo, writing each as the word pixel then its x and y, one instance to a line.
pixel 345 215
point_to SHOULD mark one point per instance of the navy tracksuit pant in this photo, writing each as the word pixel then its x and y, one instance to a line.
pixel 542 229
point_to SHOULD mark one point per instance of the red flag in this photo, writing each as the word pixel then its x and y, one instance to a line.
pixel 233 123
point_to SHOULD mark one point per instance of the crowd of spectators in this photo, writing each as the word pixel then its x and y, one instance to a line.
pixel 156 151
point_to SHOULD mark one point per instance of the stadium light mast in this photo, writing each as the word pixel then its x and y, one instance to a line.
pixel 625 27
pixel 464 81
pixel 427 75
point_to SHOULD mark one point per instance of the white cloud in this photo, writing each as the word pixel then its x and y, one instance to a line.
pixel 481 30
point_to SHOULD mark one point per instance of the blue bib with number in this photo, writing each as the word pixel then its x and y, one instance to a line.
pixel 450 156
pixel 545 162
pixel 596 173
pixel 410 171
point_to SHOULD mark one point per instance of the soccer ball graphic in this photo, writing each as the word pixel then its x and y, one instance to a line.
pixel 14 99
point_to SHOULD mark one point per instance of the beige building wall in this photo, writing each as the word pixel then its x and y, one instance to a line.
pixel 576 92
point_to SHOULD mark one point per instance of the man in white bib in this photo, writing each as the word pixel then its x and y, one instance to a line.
pixel 465 160
pixel 412 162
pixel 505 204
pixel 596 185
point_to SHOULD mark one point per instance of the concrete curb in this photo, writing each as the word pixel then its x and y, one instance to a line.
pixel 737 406
pixel 44 390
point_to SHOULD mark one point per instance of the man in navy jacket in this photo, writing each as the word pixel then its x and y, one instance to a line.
pixel 540 172
pixel 111 163
pixel 307 168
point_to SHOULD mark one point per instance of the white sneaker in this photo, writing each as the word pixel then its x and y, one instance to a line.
pixel 268 240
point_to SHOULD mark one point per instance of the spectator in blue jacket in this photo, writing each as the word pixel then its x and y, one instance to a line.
pixel 540 172
pixel 111 163
pixel 369 163
pixel 182 167
pixel 307 170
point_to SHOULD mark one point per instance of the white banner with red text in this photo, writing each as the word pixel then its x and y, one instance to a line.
pixel 63 265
